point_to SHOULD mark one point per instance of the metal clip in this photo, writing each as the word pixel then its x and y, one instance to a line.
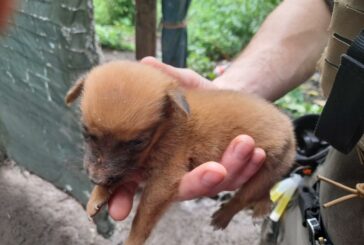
pixel 315 232
pixel 314 229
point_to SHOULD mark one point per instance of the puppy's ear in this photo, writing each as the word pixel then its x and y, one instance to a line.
pixel 178 102
pixel 75 91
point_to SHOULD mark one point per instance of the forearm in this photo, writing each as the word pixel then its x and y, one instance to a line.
pixel 283 53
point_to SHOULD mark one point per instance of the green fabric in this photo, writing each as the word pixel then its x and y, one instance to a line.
pixel 174 41
pixel 47 46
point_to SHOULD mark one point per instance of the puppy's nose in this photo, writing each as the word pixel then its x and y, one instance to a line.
pixel 95 181
pixel 112 180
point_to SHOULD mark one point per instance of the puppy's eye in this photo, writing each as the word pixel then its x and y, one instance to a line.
pixel 135 143
pixel 132 145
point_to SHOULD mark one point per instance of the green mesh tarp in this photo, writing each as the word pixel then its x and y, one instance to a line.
pixel 47 46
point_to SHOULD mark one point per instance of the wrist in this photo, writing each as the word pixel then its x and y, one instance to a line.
pixel 254 76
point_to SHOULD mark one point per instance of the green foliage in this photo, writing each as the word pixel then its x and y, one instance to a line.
pixel 122 9
pixel 101 12
pixel 217 29
pixel 220 29
pixel 201 63
pixel 115 23
pixel 116 36
pixel 297 103
pixel 107 12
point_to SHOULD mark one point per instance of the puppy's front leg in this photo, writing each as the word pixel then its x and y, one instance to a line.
pixel 99 196
pixel 158 194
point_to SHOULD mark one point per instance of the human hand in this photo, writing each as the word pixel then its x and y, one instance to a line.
pixel 187 78
pixel 239 163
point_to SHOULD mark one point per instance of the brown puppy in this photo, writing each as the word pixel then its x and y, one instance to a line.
pixel 136 117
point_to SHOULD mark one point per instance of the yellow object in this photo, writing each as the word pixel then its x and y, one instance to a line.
pixel 281 194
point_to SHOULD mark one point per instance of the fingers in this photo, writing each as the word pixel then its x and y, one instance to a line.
pixel 239 163
pixel 170 70
pixel 186 77
pixel 241 160
pixel 121 201
pixel 248 170
pixel 201 180
pixel 237 155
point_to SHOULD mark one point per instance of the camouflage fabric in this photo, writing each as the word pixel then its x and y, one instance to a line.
pixel 48 44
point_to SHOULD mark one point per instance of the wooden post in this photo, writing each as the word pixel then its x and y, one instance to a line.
pixel 145 33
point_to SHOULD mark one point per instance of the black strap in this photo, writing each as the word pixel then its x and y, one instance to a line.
pixel 342 120
pixel 308 202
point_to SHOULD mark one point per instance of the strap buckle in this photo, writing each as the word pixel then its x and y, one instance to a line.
pixel 308 203
pixel 316 233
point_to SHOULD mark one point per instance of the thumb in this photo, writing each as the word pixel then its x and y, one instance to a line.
pixel 201 180
pixel 168 69
pixel 187 78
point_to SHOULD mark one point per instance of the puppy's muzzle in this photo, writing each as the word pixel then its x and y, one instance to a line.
pixel 95 181
pixel 104 182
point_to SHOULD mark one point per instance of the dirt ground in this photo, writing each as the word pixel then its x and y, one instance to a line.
pixel 34 212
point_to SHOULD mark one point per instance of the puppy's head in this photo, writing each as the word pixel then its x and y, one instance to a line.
pixel 124 106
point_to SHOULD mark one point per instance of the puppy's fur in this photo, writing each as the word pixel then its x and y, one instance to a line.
pixel 136 117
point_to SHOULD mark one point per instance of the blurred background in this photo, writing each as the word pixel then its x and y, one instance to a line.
pixel 46 46
pixel 217 32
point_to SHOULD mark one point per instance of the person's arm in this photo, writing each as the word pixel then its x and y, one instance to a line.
pixel 283 53
pixel 269 67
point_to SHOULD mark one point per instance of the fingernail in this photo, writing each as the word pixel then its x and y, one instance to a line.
pixel 238 147
pixel 211 179
pixel 242 146
pixel 240 143
pixel 261 152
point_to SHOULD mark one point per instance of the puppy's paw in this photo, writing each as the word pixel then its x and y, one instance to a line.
pixel 262 207
pixel 221 218
pixel 99 197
